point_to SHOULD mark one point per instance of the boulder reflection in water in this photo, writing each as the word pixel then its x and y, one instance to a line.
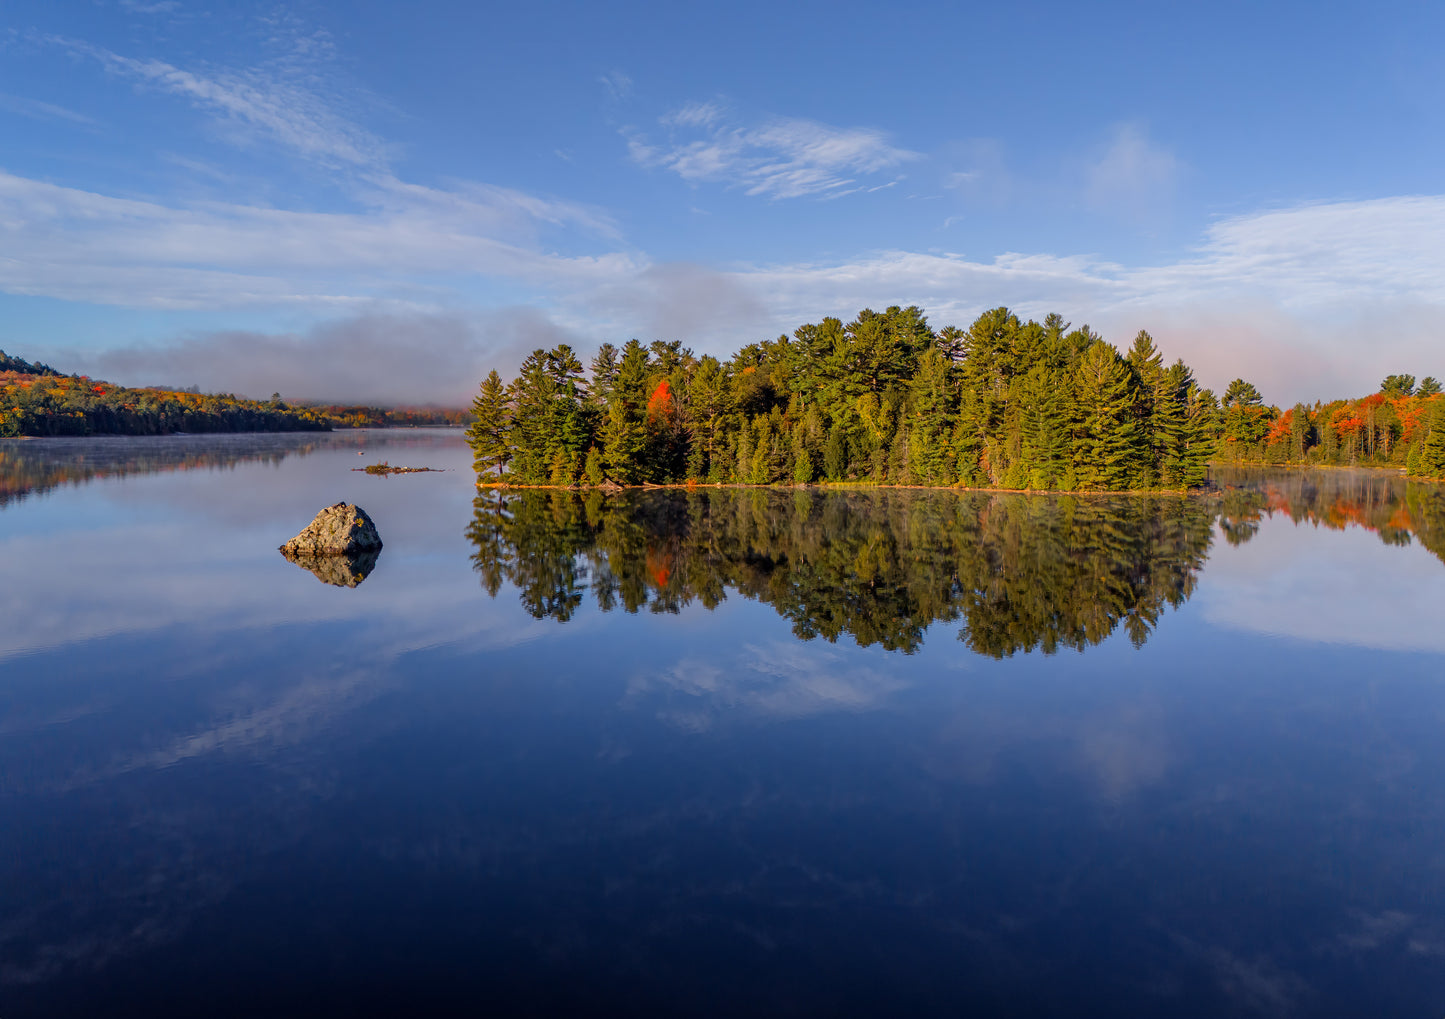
pixel 337 570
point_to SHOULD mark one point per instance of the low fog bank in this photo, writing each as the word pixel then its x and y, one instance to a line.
pixel 374 359
pixel 389 359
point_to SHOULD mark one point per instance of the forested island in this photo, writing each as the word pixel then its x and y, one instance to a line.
pixel 37 400
pixel 886 399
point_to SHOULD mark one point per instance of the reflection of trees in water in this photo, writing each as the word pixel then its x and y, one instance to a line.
pixel 1399 511
pixel 35 466
pixel 1020 572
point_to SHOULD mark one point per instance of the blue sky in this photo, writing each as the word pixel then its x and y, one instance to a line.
pixel 376 201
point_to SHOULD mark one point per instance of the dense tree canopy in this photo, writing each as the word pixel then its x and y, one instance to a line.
pixel 885 399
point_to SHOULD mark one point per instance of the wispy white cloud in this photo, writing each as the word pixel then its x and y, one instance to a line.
pixel 35 109
pixel 617 85
pixel 392 240
pixel 152 7
pixel 1309 300
pixel 1133 174
pixel 83 246
pixel 1291 292
pixel 780 158
pixel 286 109
pixel 978 172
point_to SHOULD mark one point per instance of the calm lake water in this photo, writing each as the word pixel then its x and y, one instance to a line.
pixel 723 752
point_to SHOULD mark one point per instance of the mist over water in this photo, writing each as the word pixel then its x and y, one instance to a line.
pixel 717 751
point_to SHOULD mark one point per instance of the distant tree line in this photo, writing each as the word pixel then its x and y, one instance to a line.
pixel 37 400
pixel 886 399
pixel 1400 425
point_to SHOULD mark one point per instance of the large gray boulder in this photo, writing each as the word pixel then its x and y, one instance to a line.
pixel 343 529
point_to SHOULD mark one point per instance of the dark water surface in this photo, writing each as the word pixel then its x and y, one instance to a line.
pixel 722 752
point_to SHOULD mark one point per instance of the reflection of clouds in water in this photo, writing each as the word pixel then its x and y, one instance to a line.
pixel 1117 751
pixel 143 578
pixel 1257 984
pixel 1125 751
pixel 1334 587
pixel 1389 930
pixel 777 681
pixel 197 549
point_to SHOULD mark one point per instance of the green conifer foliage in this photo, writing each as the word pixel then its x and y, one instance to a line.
pixel 835 453
pixel 593 470
pixel 1109 446
pixel 489 435
pixel 802 467
pixel 1432 449
pixel 623 441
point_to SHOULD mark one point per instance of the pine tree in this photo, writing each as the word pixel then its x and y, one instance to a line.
pixel 593 469
pixel 742 473
pixel 835 453
pixel 1109 441
pixel 802 466
pixel 490 434
pixel 604 375
pixel 759 472
pixel 933 417
pixel 1432 450
pixel 623 441
pixel 563 469
pixel 533 436
pixel 1151 380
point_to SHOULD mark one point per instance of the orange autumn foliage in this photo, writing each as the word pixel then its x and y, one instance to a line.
pixel 660 407
pixel 1280 430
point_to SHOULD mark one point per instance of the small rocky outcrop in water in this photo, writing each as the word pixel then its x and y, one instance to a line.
pixel 340 530
pixel 337 570
pixel 339 547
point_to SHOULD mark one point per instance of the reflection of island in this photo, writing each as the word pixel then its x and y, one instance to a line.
pixel 1020 573
pixel 337 570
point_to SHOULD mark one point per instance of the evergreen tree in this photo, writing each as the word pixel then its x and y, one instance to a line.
pixel 604 375
pixel 933 418
pixel 490 434
pixel 1432 449
pixel 1109 446
pixel 1396 386
pixel 593 469
pixel 623 441
pixel 835 453
pixel 802 466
